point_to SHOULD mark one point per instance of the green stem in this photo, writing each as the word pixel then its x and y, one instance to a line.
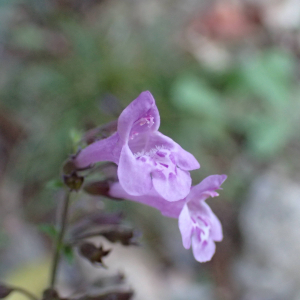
pixel 24 292
pixel 59 242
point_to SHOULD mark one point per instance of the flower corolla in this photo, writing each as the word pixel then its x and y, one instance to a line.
pixel 147 160
pixel 198 225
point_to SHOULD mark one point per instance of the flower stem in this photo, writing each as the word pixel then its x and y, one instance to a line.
pixel 59 241
pixel 24 292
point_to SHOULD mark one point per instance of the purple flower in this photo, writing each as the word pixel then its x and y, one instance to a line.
pixel 198 225
pixel 146 158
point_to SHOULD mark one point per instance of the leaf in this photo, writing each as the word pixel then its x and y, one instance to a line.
pixel 268 76
pixel 29 37
pixel 54 184
pixel 268 136
pixel 49 229
pixel 195 96
pixel 68 252
pixel 75 137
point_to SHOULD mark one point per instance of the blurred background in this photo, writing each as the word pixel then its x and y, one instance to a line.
pixel 225 76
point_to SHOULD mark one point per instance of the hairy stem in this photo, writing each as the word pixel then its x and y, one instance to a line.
pixel 59 241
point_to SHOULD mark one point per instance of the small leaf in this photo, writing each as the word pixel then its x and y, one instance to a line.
pixel 268 138
pixel 75 137
pixel 268 76
pixel 49 229
pixel 68 253
pixel 194 95
pixel 54 184
pixel 29 37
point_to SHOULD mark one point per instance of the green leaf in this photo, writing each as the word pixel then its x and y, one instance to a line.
pixel 68 252
pixel 269 136
pixel 268 76
pixel 54 184
pixel 49 229
pixel 75 137
pixel 195 96
pixel 29 37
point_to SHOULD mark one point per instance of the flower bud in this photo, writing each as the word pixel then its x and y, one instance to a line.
pixel 100 188
pixel 69 167
pixel 73 181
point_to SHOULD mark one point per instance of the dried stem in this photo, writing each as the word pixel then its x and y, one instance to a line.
pixel 59 241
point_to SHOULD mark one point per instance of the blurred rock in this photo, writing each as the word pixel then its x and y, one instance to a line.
pixel 213 31
pixel 280 15
pixel 193 292
pixel 268 268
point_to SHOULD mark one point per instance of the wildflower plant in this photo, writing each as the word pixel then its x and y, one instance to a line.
pixel 146 158
pixel 154 170
pixel 147 167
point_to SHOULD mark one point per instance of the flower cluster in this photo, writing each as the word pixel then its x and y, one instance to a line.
pixel 154 170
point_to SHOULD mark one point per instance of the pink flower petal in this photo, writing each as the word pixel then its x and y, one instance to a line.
pixel 173 188
pixel 153 199
pixel 206 187
pixel 203 251
pixel 185 160
pixel 134 175
pixel 205 212
pixel 135 111
pixel 186 227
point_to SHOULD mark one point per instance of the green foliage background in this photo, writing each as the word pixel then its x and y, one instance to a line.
pixel 64 66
